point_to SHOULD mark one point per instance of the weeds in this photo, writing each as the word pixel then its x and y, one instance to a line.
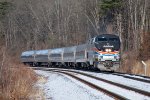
pixel 17 81
pixel 130 64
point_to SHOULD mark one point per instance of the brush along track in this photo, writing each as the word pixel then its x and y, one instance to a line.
pixel 146 93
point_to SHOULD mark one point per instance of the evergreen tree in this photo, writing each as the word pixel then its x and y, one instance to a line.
pixel 4 8
pixel 110 6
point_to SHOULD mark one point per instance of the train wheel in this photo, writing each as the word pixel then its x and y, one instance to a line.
pixel 49 64
pixel 88 65
pixel 95 66
pixel 37 64
pixel 25 63
pixel 78 65
pixel 53 64
pixel 65 65
pixel 33 65
pixel 82 65
pixel 74 65
pixel 85 66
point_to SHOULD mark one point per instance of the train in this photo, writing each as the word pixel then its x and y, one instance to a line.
pixel 101 52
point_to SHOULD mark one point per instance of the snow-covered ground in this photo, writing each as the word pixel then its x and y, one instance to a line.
pixel 131 95
pixel 61 87
pixel 119 79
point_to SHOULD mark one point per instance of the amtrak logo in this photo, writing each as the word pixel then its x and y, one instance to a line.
pixel 108 45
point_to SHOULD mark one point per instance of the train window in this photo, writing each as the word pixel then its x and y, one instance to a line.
pixel 113 39
pixel 102 39
pixel 55 55
pixel 68 54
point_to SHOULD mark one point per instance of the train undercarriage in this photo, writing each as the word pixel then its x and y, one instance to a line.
pixel 102 66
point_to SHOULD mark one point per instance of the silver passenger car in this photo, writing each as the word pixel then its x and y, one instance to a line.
pixel 41 57
pixel 69 54
pixel 55 55
pixel 28 57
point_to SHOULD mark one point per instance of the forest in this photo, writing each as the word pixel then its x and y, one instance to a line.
pixel 44 24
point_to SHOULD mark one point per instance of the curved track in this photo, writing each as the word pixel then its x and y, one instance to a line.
pixel 116 96
pixel 133 78
pixel 140 78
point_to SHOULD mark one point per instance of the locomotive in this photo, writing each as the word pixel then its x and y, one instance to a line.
pixel 100 52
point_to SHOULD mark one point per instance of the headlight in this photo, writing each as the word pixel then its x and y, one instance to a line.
pixel 108 50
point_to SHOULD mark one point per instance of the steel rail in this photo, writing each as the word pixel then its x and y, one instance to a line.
pixel 112 94
pixel 133 78
pixel 134 75
pixel 129 77
pixel 146 93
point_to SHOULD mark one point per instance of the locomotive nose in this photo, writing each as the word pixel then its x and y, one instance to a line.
pixel 104 46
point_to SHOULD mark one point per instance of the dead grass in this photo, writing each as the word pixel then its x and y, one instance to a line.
pixel 17 81
pixel 127 61
pixel 140 69
pixel 38 93
pixel 131 64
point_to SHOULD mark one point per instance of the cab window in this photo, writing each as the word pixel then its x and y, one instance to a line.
pixel 102 39
pixel 113 39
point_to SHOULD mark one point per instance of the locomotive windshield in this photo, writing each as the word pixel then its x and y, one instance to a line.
pixel 107 40
pixel 102 39
pixel 113 39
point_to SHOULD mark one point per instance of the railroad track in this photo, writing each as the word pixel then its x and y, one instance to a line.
pixel 114 95
pixel 133 78
pixel 142 76
pixel 146 80
pixel 90 84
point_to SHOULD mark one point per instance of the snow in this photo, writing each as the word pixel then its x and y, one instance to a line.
pixel 128 82
pixel 62 87
pixel 123 92
pixel 120 79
